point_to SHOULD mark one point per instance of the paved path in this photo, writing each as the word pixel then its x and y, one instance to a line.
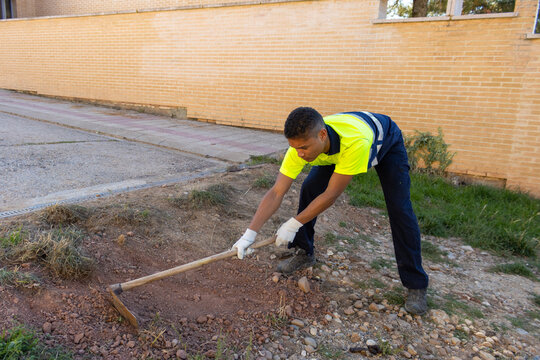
pixel 45 157
pixel 218 141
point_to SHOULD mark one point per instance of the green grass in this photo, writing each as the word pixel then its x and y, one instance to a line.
pixel 485 217
pixel 21 343
pixel 17 278
pixel 330 352
pixel 432 252
pixel 12 238
pixel 516 268
pixel 376 283
pixel 452 306
pixel 525 322
pixel 536 299
pixel 263 159
pixel 380 263
pixel 264 182
pixel 395 296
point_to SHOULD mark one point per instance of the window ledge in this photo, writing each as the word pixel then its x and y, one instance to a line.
pixel 532 36
pixel 446 18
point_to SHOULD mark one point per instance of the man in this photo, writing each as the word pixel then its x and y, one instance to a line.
pixel 340 146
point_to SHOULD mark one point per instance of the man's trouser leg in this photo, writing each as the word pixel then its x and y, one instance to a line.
pixel 393 173
pixel 314 185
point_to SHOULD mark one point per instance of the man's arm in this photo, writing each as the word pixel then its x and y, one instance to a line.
pixel 336 186
pixel 271 202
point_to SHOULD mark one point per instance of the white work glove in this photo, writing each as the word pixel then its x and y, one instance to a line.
pixel 244 242
pixel 287 231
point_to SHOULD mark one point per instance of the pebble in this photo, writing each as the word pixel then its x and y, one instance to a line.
pixel 328 317
pixel 486 356
pixel 303 284
pixel 202 319
pixel 275 278
pixel 298 323
pixel 349 311
pixel 310 342
pixel 121 239
pixel 131 344
pixel 47 327
pixel 358 304
pixel 181 354
pixel 310 349
pixel 313 331
pixel 373 307
pixel 355 337
pixel 77 338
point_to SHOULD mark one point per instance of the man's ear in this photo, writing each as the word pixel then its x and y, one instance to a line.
pixel 323 134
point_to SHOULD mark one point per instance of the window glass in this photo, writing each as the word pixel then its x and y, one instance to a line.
pixel 471 7
pixel 537 27
pixel 420 8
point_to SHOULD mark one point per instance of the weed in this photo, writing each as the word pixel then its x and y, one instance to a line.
pixel 264 182
pixel 516 268
pixel 526 321
pixel 17 278
pixel 386 347
pixel 536 299
pixel 484 217
pixel 21 343
pixel 64 214
pixel 12 238
pixel 330 352
pixel 428 153
pixel 153 334
pixel 342 224
pixel 376 283
pixel 58 250
pixel 451 306
pixel 214 195
pixel 432 252
pixel 361 284
pixel 461 335
pixel 368 239
pixel 263 159
pixel 380 263
pixel 329 239
pixel 395 296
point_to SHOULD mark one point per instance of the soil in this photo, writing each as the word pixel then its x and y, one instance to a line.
pixel 244 309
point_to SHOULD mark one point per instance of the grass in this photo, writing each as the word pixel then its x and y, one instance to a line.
pixel 485 217
pixel 12 238
pixel 59 250
pixel 129 216
pixel 432 252
pixel 64 214
pixel 17 278
pixel 380 263
pixel 214 195
pixel 395 296
pixel 536 299
pixel 21 343
pixel 452 306
pixel 330 352
pixel 264 182
pixel 524 322
pixel 517 268
pixel 263 159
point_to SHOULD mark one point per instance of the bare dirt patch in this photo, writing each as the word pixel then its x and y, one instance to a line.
pixel 243 309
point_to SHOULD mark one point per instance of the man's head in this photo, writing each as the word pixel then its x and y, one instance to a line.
pixel 306 132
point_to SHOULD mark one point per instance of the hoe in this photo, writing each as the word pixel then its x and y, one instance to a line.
pixel 117 289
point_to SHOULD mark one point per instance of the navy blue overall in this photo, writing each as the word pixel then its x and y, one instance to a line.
pixel 389 158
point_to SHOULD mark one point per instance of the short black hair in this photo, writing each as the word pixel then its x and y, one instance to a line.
pixel 303 122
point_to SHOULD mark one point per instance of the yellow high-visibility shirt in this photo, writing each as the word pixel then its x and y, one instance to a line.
pixel 349 148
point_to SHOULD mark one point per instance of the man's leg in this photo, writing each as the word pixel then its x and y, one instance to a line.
pixel 393 172
pixel 314 185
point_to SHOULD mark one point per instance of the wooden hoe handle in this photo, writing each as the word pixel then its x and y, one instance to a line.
pixel 118 288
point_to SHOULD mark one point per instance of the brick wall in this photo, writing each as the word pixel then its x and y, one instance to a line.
pixel 31 8
pixel 250 65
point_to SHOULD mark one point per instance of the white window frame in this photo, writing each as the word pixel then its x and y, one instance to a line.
pixel 533 34
pixel 453 12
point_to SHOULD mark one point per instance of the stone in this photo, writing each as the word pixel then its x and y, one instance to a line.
pixel 47 327
pixel 349 310
pixel 121 239
pixel 373 307
pixel 131 344
pixel 355 337
pixel 181 354
pixel 303 284
pixel 313 331
pixel 288 310
pixel 310 342
pixel 202 319
pixel 439 317
pixel 298 323
pixel 411 350
pixel 130 233
pixel 358 304
pixel 486 356
pixel 275 278
pixel 77 338
pixel 310 349
pixel 326 269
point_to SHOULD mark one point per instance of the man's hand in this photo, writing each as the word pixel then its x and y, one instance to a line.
pixel 287 231
pixel 244 242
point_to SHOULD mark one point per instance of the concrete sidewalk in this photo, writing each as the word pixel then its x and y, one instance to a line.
pixel 217 141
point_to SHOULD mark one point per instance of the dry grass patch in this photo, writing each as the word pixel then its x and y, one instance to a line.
pixel 64 214
pixel 58 250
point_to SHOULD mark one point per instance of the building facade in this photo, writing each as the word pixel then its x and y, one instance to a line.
pixel 249 63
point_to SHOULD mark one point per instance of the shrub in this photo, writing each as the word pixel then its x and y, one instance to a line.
pixel 427 152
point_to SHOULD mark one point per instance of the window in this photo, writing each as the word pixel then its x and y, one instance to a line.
pixel 537 26
pixel 399 9
pixel 6 9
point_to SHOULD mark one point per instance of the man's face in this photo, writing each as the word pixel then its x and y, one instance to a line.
pixel 309 147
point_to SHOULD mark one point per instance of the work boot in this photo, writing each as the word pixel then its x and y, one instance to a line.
pixel 416 303
pixel 297 262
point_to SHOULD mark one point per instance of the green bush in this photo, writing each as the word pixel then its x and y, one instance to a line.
pixel 427 152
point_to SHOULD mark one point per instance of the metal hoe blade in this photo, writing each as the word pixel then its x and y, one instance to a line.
pixel 115 290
